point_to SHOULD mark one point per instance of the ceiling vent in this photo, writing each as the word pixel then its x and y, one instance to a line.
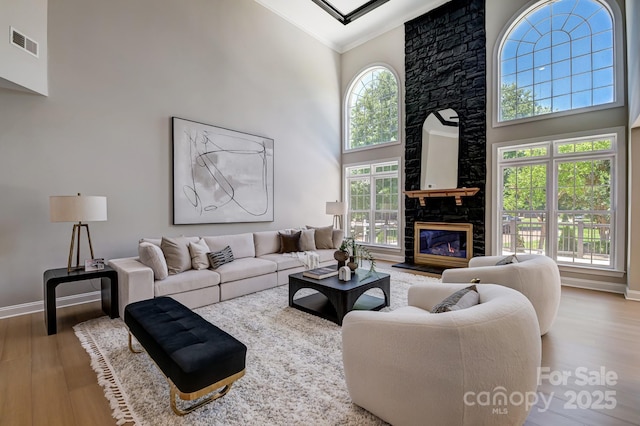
pixel 23 42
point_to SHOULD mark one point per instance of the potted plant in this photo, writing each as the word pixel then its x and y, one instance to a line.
pixel 356 254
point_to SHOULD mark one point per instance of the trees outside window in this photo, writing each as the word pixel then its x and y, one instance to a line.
pixel 557 56
pixel 372 109
pixel 557 198
pixel 373 198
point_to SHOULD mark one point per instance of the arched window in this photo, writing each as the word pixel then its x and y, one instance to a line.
pixel 557 56
pixel 372 109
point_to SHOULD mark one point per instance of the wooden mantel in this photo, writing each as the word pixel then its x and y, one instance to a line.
pixel 458 193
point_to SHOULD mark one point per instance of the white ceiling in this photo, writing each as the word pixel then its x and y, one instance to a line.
pixel 309 17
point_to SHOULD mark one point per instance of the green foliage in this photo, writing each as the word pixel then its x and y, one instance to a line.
pixel 518 103
pixel 374 114
pixel 360 253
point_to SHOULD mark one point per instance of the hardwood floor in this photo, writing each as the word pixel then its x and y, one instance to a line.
pixel 48 379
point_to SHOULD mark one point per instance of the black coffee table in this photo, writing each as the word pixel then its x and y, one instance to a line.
pixel 335 298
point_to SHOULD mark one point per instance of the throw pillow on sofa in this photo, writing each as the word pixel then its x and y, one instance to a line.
pixel 219 258
pixel 308 240
pixel 152 257
pixel 289 243
pixel 461 299
pixel 198 252
pixel 323 237
pixel 176 252
pixel 508 260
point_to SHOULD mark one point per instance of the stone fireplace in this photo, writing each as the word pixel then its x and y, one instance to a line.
pixel 443 244
pixel 445 64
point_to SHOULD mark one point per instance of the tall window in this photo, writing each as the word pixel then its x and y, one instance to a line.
pixel 557 56
pixel 372 113
pixel 374 200
pixel 558 198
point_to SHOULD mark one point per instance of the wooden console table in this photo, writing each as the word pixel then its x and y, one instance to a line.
pixel 55 277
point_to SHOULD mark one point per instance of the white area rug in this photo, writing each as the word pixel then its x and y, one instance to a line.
pixel 294 373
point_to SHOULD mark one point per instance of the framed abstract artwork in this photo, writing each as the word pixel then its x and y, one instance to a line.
pixel 220 175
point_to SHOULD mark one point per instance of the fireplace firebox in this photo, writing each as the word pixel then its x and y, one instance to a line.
pixel 443 244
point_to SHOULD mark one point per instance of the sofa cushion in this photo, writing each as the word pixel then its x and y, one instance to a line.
pixel 186 281
pixel 151 255
pixel 219 258
pixel 266 242
pixel 461 299
pixel 284 261
pixel 289 243
pixel 241 244
pixel 323 237
pixel 245 268
pixel 176 253
pixel 198 252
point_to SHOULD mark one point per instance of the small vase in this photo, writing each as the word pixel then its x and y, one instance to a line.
pixel 341 257
pixel 353 265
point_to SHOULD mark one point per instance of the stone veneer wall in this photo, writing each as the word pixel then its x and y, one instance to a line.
pixel 445 63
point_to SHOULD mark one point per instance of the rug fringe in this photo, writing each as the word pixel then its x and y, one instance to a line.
pixel 106 378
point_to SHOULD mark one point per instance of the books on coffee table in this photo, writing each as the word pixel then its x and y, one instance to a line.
pixel 320 273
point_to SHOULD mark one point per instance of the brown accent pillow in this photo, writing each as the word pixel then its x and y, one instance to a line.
pixel 176 252
pixel 323 237
pixel 290 243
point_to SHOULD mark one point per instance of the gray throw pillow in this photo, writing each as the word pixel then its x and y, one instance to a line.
pixel 323 237
pixel 176 252
pixel 308 240
pixel 219 258
pixel 461 299
pixel 508 260
pixel 151 255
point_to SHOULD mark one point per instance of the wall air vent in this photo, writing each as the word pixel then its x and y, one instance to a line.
pixel 23 42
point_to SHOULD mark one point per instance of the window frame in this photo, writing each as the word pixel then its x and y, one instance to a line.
pixel 618 64
pixel 346 113
pixel 618 184
pixel 371 176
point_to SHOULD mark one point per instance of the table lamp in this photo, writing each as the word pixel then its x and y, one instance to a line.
pixel 337 209
pixel 80 208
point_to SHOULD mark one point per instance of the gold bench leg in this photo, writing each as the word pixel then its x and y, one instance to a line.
pixel 131 345
pixel 223 387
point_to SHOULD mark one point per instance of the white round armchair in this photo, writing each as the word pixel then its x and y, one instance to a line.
pixel 535 276
pixel 412 367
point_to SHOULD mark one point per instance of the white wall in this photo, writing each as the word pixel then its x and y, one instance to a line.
pixel 118 70
pixel 633 67
pixel 20 70
pixel 633 60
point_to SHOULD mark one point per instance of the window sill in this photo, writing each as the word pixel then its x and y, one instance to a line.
pixel 586 270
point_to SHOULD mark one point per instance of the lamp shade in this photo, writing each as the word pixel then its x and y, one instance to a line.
pixel 335 207
pixel 77 208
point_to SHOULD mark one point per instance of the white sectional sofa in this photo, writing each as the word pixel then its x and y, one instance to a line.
pixel 257 265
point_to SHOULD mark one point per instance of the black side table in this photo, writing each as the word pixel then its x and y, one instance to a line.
pixel 54 277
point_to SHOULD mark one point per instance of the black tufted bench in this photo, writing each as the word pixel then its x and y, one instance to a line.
pixel 196 356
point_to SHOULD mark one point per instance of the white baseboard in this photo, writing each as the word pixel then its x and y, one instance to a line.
pixel 594 285
pixel 632 295
pixel 389 257
pixel 29 308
